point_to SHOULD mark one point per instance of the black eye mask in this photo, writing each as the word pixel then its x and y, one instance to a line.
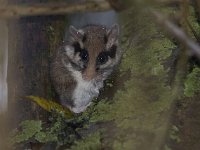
pixel 77 47
pixel 83 53
pixel 103 56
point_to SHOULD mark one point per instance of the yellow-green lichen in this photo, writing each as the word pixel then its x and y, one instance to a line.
pixel 29 129
pixel 192 20
pixel 192 83
pixel 140 110
pixel 91 142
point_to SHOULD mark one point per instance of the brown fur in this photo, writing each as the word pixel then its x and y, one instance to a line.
pixel 94 39
pixel 94 44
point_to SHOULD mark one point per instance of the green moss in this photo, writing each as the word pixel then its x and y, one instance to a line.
pixel 58 131
pixel 192 83
pixel 192 19
pixel 139 110
pixel 29 129
pixel 174 134
pixel 45 137
pixel 166 147
pixel 91 142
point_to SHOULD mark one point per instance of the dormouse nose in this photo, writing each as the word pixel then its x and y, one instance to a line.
pixel 89 73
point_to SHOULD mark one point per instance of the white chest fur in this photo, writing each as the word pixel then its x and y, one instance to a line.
pixel 84 91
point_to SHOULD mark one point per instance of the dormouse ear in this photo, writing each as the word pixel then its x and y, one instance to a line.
pixel 113 34
pixel 75 33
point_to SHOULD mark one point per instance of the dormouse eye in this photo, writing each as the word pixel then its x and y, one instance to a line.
pixel 102 58
pixel 84 55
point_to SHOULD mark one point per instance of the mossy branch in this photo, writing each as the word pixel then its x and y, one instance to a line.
pixel 11 11
pixel 179 34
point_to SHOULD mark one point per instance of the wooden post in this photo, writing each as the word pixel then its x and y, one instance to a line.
pixel 10 11
pixel 3 64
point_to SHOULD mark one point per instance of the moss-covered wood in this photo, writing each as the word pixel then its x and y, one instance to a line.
pixel 135 113
pixel 138 115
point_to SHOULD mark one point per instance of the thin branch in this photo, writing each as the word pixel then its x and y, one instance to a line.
pixel 193 31
pixel 11 11
pixel 177 33
pixel 168 2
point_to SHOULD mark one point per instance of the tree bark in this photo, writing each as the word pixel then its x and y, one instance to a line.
pixel 11 11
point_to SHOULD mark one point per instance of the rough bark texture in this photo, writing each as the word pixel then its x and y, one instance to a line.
pixel 11 11
pixel 29 57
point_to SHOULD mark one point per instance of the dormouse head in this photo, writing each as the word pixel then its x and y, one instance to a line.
pixel 93 50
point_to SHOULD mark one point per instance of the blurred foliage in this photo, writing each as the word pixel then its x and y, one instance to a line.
pixel 174 134
pixel 192 83
pixel 61 128
pixel 57 130
pixel 91 142
pixel 193 21
pixel 28 129
pixel 138 110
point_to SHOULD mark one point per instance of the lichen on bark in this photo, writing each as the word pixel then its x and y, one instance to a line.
pixel 139 111
pixel 192 83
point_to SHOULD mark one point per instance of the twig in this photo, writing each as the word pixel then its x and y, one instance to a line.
pixel 193 31
pixel 168 2
pixel 51 9
pixel 177 33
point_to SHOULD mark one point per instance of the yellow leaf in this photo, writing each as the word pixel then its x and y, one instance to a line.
pixel 50 106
